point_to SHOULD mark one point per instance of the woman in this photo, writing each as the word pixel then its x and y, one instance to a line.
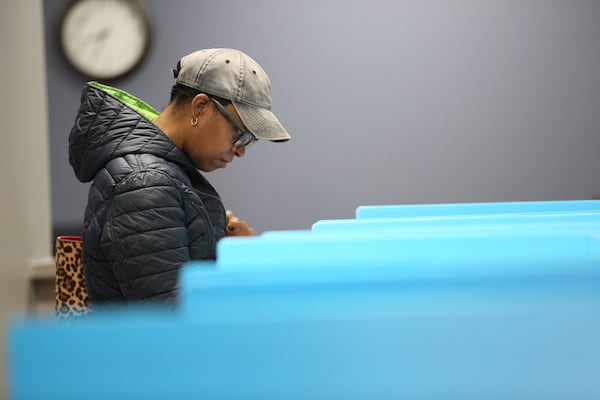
pixel 150 210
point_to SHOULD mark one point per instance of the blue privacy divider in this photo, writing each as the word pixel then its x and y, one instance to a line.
pixel 347 289
pixel 470 224
pixel 366 334
pixel 432 210
pixel 405 247
pixel 300 262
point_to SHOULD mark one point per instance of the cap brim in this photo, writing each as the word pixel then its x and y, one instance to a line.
pixel 262 122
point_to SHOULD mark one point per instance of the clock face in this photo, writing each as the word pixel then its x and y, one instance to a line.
pixel 105 39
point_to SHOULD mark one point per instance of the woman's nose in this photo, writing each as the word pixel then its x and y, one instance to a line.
pixel 239 151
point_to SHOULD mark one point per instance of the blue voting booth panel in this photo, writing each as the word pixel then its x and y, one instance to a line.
pixel 470 224
pixel 433 210
pixel 363 248
pixel 517 333
pixel 453 310
pixel 276 277
pixel 329 292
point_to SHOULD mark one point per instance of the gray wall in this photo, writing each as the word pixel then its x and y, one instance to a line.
pixel 388 102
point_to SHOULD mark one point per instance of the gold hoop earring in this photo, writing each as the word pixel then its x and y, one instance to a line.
pixel 194 121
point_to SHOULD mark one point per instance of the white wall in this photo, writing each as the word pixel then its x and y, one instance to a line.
pixel 25 236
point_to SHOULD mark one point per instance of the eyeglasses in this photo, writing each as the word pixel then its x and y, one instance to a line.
pixel 246 138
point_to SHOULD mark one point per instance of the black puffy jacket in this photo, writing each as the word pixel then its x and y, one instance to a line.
pixel 149 210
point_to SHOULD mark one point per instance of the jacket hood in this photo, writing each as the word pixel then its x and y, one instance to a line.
pixel 111 123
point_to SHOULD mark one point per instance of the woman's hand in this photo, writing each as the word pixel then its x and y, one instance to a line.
pixel 237 227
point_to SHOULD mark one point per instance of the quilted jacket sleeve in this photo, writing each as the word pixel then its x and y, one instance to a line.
pixel 145 237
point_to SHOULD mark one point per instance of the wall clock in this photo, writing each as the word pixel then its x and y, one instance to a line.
pixel 105 39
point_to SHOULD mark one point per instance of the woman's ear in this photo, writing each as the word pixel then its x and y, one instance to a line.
pixel 199 104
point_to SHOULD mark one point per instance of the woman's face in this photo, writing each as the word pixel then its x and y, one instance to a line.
pixel 209 143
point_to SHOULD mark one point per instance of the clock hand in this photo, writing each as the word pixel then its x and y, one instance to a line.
pixel 98 36
pixel 102 35
pixel 97 40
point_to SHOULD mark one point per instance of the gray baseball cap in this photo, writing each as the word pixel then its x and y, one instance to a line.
pixel 233 75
